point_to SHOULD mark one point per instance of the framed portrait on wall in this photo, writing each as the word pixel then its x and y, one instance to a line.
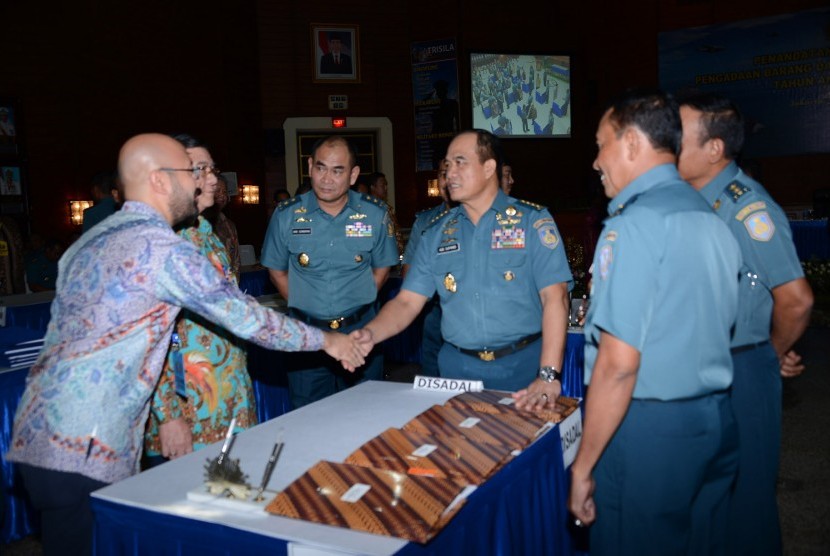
pixel 8 129
pixel 10 181
pixel 335 53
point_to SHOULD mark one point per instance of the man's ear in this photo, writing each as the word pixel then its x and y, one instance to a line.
pixel 159 182
pixel 632 142
pixel 716 149
pixel 490 168
pixel 355 173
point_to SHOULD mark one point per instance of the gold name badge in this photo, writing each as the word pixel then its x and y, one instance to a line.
pixel 449 283
pixel 303 259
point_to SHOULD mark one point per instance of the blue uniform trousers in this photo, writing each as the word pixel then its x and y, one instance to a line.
pixel 664 481
pixel 313 376
pixel 512 372
pixel 756 402
pixel 432 339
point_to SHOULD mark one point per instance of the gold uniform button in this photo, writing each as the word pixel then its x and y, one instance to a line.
pixel 303 259
pixel 358 258
pixel 509 275
pixel 510 211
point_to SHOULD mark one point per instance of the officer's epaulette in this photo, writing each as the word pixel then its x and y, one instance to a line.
pixel 736 190
pixel 288 202
pixel 372 199
pixel 438 217
pixel 529 204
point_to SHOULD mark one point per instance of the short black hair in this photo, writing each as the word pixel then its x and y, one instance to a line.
pixel 372 178
pixel 720 119
pixel 333 140
pixel 189 141
pixel 653 112
pixel 488 146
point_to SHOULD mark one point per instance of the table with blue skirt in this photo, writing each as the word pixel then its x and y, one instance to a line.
pixel 270 385
pixel 811 238
pixel 29 310
pixel 17 517
pixel 520 510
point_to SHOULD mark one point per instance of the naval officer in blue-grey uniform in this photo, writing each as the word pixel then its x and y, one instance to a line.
pixel 328 252
pixel 659 446
pixel 431 337
pixel 499 267
pixel 773 310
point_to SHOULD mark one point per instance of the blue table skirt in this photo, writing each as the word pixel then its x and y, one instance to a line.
pixel 811 238
pixel 520 510
pixel 18 518
pixel 34 317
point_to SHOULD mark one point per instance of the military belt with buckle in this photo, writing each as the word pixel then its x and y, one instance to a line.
pixel 330 324
pixel 491 354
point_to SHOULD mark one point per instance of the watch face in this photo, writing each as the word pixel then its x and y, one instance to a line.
pixel 548 374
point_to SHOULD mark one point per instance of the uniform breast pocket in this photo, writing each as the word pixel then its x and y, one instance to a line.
pixel 357 250
pixel 510 269
pixel 449 274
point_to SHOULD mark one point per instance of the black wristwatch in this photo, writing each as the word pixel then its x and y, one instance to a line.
pixel 549 374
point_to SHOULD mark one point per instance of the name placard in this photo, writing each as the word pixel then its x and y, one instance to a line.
pixel 438 384
pixel 570 432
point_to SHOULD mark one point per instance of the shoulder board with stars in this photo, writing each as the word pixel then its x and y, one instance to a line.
pixel 736 190
pixel 372 199
pixel 288 202
pixel 528 204
pixel 438 217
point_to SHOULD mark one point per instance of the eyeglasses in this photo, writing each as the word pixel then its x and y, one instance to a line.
pixel 210 170
pixel 196 171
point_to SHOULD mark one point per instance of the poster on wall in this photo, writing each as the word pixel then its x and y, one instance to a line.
pixel 435 96
pixel 777 69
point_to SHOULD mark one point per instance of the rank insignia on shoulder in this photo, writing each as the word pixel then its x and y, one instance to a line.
pixel 438 217
pixel 282 205
pixel 529 204
pixel 371 199
pixel 760 226
pixel 736 190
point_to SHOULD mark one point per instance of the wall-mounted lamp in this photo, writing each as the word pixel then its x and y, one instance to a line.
pixel 76 211
pixel 432 188
pixel 250 194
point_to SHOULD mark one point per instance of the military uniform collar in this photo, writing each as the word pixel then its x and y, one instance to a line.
pixel 309 201
pixel 642 183
pixel 712 190
pixel 500 203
